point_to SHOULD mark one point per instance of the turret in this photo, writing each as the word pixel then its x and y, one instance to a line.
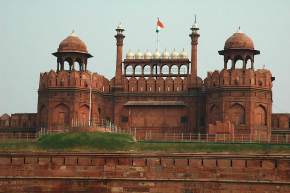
pixel 194 42
pixel 119 38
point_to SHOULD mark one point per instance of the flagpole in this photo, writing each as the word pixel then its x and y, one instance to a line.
pixel 157 40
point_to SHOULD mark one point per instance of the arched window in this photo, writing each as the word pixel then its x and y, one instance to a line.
pixel 239 64
pixel 129 70
pixel 165 69
pixel 147 70
pixel 260 116
pixel 138 70
pixel 156 69
pixel 66 65
pixel 237 114
pixel 174 69
pixel 183 69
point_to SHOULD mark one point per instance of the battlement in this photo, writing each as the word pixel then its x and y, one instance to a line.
pixel 73 79
pixel 261 78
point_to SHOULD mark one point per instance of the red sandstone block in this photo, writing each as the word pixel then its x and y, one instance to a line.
pixel 284 165
pixel 254 163
pixel 43 160
pixel 58 161
pixel 17 160
pixel 153 162
pixel 30 160
pixel 111 161
pixel 167 162
pixel 70 160
pixel 181 163
pixel 98 161
pixel 224 163
pixel 139 162
pixel 209 163
pixel 124 161
pixel 268 164
pixel 238 163
pixel 195 163
pixel 84 161
pixel 5 161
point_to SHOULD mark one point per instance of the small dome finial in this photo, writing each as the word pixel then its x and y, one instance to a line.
pixel 73 33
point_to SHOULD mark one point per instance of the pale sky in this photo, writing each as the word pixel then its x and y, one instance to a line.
pixel 31 30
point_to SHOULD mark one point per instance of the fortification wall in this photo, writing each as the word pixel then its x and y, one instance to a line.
pixel 80 172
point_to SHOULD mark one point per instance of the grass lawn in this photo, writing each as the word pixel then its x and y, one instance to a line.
pixel 110 142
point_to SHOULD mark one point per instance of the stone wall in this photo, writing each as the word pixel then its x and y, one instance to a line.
pixel 184 173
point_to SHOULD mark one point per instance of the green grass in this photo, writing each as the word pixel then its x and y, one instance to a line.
pixel 109 142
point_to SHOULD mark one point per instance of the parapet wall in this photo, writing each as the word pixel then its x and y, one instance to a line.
pixel 261 78
pixel 73 79
pixel 144 173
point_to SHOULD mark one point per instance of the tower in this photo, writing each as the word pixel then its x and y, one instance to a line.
pixel 240 95
pixel 66 97
pixel 118 73
pixel 194 42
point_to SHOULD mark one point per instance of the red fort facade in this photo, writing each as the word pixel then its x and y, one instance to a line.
pixel 158 92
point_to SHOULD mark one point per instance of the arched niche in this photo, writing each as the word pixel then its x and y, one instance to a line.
pixel 61 115
pixel 84 115
pixel 213 114
pixel 237 114
pixel 260 116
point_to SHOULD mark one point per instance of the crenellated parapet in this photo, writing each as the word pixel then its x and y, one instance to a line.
pixel 261 78
pixel 73 79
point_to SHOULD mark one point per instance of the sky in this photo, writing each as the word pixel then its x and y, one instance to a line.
pixel 31 30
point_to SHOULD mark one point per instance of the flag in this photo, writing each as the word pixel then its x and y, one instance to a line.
pixel 159 25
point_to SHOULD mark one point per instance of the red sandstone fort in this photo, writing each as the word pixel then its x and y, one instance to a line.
pixel 156 91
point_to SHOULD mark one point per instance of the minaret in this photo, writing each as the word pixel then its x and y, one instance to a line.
pixel 194 41
pixel 119 37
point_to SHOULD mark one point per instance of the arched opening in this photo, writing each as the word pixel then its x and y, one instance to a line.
pixel 129 70
pixel 84 115
pixel 61 116
pixel 229 63
pixel 156 69
pixel 237 114
pixel 147 70
pixel 165 69
pixel 66 65
pixel 248 62
pixel 260 116
pixel 78 65
pixel 174 70
pixel 239 64
pixel 138 70
pixel 183 69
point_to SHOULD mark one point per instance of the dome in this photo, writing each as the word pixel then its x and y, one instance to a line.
pixel 156 54
pixel 72 44
pixel 239 40
pixel 165 54
pixel 148 55
pixel 183 54
pixel 130 55
pixel 174 54
pixel 138 55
